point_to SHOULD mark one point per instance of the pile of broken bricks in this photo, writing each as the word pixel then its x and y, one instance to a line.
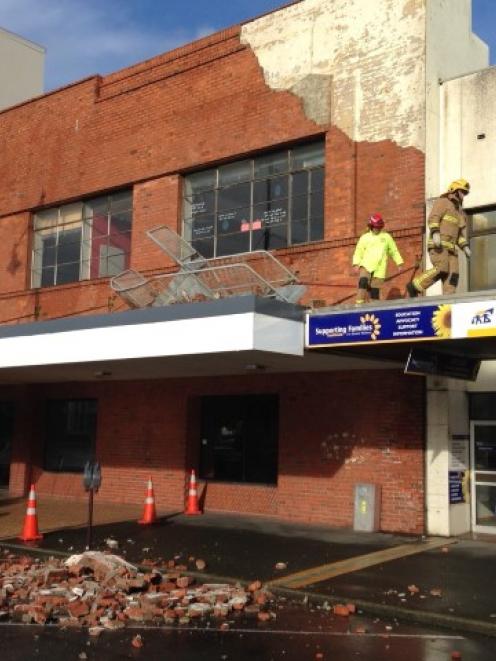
pixel 103 591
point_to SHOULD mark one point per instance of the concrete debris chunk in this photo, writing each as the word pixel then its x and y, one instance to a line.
pixel 101 591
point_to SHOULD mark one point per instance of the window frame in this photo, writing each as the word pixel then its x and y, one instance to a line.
pixel 213 455
pixel 475 234
pixel 51 433
pixel 252 178
pixel 50 222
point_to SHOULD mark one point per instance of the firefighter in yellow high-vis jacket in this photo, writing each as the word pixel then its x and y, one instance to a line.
pixel 447 233
pixel 371 256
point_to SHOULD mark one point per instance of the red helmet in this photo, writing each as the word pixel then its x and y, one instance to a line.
pixel 375 221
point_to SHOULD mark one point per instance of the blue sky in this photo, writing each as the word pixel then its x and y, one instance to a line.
pixel 83 37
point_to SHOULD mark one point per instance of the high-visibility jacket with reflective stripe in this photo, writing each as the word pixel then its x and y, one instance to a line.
pixel 372 252
pixel 448 218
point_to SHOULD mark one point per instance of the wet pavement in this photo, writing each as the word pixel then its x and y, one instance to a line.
pixel 460 572
pixel 298 634
pixel 233 546
pixel 248 548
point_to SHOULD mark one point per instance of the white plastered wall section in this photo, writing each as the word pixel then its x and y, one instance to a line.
pixel 358 65
pixel 468 104
pixel 22 70
pixel 451 50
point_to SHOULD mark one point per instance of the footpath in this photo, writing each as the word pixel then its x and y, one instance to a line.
pixel 438 582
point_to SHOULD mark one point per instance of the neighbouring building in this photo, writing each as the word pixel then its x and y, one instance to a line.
pixel 282 134
pixel 22 70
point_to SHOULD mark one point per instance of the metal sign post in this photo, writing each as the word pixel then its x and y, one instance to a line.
pixel 92 479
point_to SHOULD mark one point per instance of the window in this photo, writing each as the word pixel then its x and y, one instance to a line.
pixel 6 433
pixel 482 406
pixel 90 239
pixel 262 203
pixel 70 432
pixel 482 228
pixel 239 439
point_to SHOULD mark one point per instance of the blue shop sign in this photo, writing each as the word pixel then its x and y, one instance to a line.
pixel 390 325
pixel 456 490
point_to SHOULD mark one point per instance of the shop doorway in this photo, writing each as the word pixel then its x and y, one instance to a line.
pixel 6 431
pixel 483 453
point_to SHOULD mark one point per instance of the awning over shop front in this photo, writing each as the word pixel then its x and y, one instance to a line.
pixel 244 325
pixel 462 324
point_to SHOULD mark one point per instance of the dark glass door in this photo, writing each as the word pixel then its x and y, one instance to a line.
pixel 6 430
pixel 484 476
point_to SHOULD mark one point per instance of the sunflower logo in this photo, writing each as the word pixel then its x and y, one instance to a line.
pixel 374 321
pixel 441 321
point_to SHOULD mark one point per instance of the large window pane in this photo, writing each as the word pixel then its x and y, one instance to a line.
pixel 275 237
pixel 230 244
pixel 300 208
pixel 300 183
pixel 48 251
pixel 270 189
pixel 271 213
pixel 82 240
pixel 205 248
pixel 299 231
pixel 202 227
pixel 316 228
pixel 253 197
pixel 317 182
pixel 200 181
pixel 68 273
pixel 98 206
pixel 234 196
pixel 483 221
pixel 70 429
pixel 308 156
pixel 266 166
pixel 235 172
pixel 483 262
pixel 69 245
pixel 119 202
pixel 120 222
pixel 233 221
pixel 239 438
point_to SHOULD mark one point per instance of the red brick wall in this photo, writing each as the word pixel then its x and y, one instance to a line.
pixel 372 431
pixel 196 106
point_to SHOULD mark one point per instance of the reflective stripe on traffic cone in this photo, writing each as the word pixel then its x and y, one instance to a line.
pixel 30 531
pixel 192 502
pixel 149 512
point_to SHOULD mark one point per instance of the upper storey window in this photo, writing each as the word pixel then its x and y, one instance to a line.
pixel 82 240
pixel 271 201
pixel 482 228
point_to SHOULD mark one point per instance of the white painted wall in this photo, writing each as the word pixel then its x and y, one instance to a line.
pixel 452 49
pixel 447 417
pixel 21 69
pixel 357 64
pixel 469 106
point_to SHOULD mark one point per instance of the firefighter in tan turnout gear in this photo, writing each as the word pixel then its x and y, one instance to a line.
pixel 447 228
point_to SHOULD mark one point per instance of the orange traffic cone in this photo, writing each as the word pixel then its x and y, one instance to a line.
pixel 30 531
pixel 149 512
pixel 192 502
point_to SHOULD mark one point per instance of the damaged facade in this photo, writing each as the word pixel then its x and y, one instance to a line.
pixel 282 134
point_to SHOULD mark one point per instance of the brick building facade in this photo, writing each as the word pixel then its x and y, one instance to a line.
pixel 146 129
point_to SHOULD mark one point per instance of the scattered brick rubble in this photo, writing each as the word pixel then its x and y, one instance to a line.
pixel 103 591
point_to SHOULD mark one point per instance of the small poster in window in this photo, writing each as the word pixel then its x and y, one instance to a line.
pixel 257 225
pixel 275 216
pixel 245 227
pixel 458 487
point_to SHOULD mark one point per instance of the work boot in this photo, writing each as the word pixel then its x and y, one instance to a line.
pixel 411 290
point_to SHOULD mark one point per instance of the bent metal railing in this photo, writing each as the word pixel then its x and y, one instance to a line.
pixel 199 279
